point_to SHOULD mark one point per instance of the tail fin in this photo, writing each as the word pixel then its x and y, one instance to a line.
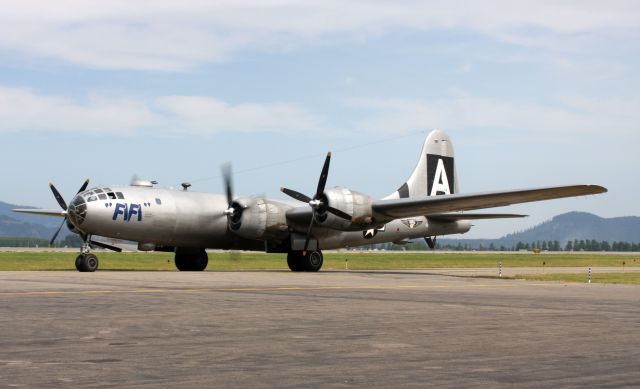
pixel 435 173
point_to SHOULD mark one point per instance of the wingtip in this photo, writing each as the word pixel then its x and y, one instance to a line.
pixel 598 189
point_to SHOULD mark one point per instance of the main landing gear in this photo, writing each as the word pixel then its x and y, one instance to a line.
pixel 86 262
pixel 305 261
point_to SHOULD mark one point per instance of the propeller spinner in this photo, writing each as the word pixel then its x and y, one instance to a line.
pixel 234 210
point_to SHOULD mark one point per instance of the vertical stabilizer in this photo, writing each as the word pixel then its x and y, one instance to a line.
pixel 435 173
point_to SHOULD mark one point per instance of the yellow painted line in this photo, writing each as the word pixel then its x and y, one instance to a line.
pixel 265 289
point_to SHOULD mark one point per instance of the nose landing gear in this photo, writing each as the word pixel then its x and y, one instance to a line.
pixel 86 262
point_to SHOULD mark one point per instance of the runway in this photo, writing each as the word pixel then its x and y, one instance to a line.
pixel 328 329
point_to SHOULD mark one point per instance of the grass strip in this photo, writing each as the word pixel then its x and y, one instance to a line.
pixel 333 260
pixel 598 278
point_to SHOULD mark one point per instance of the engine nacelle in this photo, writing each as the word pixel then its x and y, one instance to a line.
pixel 259 218
pixel 353 203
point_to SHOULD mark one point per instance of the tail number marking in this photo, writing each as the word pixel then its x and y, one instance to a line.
pixel 439 175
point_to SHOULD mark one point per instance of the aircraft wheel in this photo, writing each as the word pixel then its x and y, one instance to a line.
pixel 87 262
pixel 200 262
pixel 79 259
pixel 295 260
pixel 192 261
pixel 182 263
pixel 313 261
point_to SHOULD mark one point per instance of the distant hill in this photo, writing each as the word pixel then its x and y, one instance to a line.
pixel 567 227
pixel 22 225
pixel 47 221
pixel 581 225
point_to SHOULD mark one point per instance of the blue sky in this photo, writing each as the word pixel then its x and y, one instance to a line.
pixel 533 93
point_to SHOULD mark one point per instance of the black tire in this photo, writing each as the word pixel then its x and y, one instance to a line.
pixel 192 261
pixel 79 259
pixel 89 263
pixel 295 260
pixel 200 262
pixel 313 261
pixel 182 263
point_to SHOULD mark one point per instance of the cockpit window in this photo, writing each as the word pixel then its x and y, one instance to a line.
pixel 107 189
pixel 111 195
pixel 102 196
pixel 98 190
pixel 92 198
pixel 120 195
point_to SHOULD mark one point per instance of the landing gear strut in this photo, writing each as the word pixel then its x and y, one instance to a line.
pixel 431 242
pixel 305 261
pixel 86 262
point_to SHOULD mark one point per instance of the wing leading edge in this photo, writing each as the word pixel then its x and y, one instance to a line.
pixel 436 205
pixel 43 212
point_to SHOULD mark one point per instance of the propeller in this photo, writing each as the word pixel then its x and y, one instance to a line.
pixel 319 202
pixel 63 205
pixel 234 210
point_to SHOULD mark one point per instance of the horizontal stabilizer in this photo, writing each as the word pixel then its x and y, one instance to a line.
pixel 45 212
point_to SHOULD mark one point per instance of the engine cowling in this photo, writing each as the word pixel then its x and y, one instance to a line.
pixel 258 218
pixel 353 203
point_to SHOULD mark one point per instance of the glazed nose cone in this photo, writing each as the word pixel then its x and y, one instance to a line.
pixel 77 211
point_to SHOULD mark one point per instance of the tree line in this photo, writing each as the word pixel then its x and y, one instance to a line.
pixel 417 245
pixel 68 241
pixel 542 245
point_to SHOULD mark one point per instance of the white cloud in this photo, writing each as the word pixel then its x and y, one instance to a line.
pixel 175 36
pixel 562 120
pixel 22 109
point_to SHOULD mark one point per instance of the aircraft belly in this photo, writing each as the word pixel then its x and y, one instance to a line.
pixel 394 231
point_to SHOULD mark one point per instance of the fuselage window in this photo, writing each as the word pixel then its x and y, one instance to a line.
pixel 111 195
pixel 92 198
pixel 102 196
pixel 120 195
pixel 158 201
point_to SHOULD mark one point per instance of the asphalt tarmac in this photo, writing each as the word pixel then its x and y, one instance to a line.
pixel 329 329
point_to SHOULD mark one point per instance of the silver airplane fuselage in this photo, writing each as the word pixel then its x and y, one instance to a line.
pixel 181 218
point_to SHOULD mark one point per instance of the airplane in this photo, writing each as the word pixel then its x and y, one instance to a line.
pixel 427 205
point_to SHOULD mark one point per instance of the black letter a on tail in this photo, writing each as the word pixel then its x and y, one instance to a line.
pixel 440 178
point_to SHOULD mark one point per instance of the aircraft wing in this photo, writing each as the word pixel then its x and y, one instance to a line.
pixel 451 217
pixel 45 212
pixel 430 205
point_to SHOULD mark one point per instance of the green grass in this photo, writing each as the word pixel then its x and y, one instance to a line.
pixel 333 260
pixel 604 278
